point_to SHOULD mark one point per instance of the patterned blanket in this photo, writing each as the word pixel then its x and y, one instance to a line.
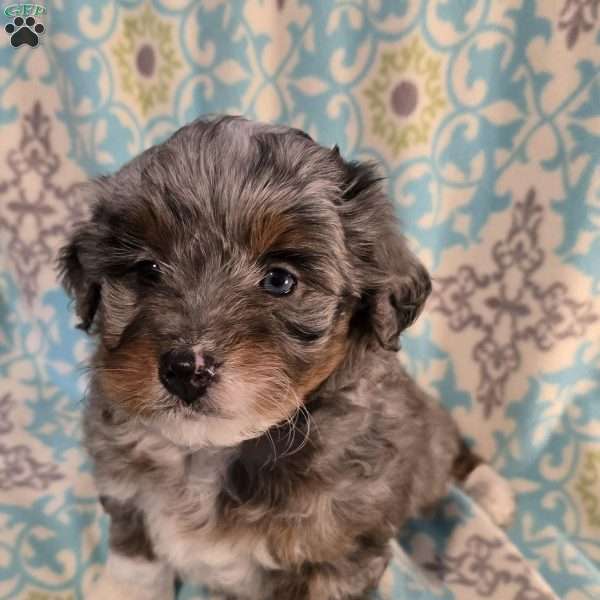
pixel 485 118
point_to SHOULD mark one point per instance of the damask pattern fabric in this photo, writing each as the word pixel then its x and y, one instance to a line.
pixel 485 118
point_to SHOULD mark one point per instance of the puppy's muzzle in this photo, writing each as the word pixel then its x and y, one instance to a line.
pixel 186 374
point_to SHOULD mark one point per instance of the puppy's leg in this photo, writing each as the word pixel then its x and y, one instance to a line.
pixel 350 578
pixel 132 571
pixel 485 485
pixel 449 458
pixel 126 578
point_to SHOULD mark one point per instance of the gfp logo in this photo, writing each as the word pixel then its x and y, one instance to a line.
pixel 24 10
pixel 24 29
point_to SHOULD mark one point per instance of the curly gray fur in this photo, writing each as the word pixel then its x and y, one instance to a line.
pixel 306 457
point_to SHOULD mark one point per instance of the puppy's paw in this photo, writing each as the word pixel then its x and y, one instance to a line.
pixel 128 579
pixel 493 493
pixel 108 588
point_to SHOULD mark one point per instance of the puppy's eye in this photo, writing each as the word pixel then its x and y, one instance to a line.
pixel 278 282
pixel 147 271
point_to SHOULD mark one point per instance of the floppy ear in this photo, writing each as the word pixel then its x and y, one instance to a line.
pixel 395 284
pixel 76 281
pixel 400 296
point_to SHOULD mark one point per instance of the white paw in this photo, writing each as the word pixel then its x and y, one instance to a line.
pixel 106 587
pixel 127 579
pixel 493 493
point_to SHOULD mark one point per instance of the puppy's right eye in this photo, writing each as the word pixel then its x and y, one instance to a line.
pixel 279 282
pixel 147 271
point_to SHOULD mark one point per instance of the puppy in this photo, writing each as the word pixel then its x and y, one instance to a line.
pixel 250 425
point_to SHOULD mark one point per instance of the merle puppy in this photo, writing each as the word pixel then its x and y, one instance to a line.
pixel 249 422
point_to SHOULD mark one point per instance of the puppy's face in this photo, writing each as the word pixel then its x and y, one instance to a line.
pixel 229 272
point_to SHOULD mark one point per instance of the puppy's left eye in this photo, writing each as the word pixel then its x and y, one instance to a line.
pixel 147 271
pixel 278 282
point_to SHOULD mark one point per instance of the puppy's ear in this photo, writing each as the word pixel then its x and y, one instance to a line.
pixel 395 284
pixel 78 283
pixel 399 296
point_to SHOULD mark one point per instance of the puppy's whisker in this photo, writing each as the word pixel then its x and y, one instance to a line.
pixel 116 370
pixel 291 435
pixel 273 446
pixel 305 433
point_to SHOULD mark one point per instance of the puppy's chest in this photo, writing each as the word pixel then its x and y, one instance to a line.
pixel 186 530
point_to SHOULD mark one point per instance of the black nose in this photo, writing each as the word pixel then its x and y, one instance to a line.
pixel 186 375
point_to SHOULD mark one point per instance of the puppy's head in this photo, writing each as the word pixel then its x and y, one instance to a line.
pixel 228 273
